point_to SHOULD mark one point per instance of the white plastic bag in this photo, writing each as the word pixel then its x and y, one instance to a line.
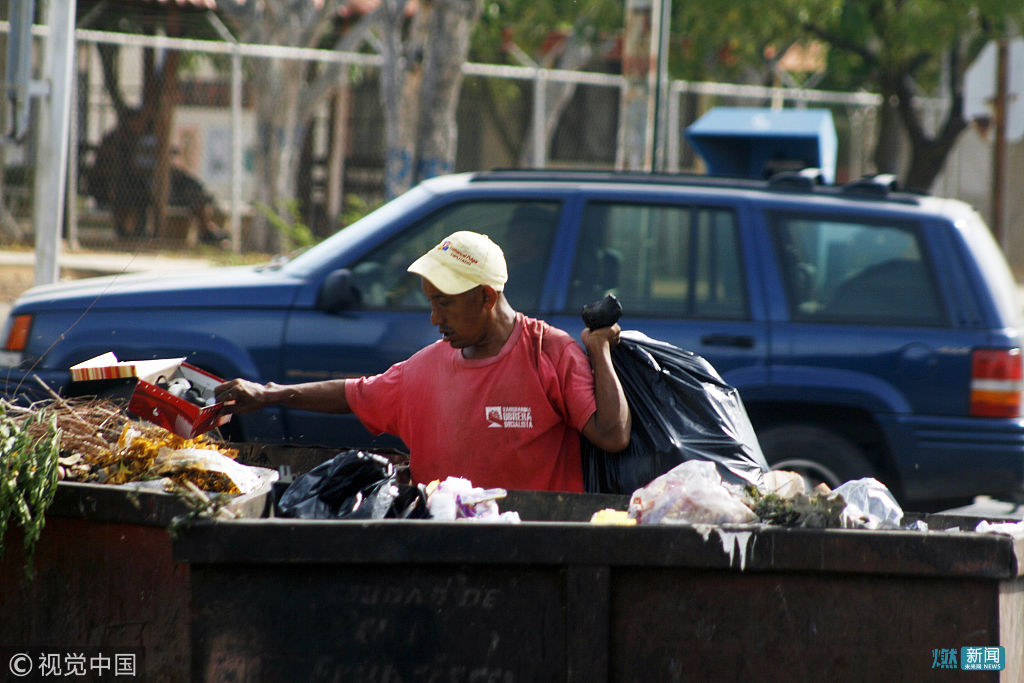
pixel 690 493
pixel 869 505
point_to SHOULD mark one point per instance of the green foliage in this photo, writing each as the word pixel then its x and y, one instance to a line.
pixel 29 449
pixel 815 510
pixel 288 222
pixel 723 40
pixel 530 25
pixel 870 40
pixel 355 208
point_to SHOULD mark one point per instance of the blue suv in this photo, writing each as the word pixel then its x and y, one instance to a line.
pixel 869 332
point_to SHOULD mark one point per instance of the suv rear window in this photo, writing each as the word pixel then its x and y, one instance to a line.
pixel 660 260
pixel 854 272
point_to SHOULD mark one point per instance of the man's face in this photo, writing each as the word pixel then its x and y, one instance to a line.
pixel 460 318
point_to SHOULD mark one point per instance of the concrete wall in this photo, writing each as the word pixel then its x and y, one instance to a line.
pixel 968 176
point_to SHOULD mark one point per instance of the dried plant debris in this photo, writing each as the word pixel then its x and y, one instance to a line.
pixel 99 443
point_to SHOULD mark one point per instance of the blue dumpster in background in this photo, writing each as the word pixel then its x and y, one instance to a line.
pixel 751 142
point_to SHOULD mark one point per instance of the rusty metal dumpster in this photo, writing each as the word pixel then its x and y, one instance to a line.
pixel 105 584
pixel 552 599
pixel 276 599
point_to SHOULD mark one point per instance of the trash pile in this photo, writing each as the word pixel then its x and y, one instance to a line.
pixel 358 485
pixel 456 498
pixel 695 493
pixel 354 484
pixel 99 443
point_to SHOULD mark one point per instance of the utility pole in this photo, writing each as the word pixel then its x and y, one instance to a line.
pixel 662 16
pixel 999 142
pixel 52 132
pixel 644 101
pixel 635 105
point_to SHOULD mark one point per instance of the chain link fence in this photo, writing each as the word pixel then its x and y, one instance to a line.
pixel 197 185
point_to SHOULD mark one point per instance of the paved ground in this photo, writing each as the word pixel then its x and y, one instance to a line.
pixel 105 262
pixel 17 268
pixel 989 508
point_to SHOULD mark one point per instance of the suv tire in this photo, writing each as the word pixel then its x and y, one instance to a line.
pixel 818 454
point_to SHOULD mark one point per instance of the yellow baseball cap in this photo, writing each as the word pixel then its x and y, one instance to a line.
pixel 462 261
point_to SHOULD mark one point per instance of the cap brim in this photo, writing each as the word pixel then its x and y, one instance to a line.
pixel 440 276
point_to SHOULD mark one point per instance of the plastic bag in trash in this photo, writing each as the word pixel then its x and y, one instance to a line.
pixel 690 493
pixel 457 498
pixel 869 505
pixel 211 470
pixel 352 485
pixel 681 410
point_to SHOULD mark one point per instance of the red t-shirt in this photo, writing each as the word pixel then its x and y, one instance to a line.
pixel 512 420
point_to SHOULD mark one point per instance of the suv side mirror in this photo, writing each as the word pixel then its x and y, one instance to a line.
pixel 338 292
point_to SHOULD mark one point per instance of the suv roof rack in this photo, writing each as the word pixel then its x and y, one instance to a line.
pixel 880 186
pixel 599 175
pixel 805 179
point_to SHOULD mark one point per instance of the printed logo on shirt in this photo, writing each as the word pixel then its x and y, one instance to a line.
pixel 509 417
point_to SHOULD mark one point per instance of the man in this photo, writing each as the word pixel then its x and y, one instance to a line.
pixel 501 399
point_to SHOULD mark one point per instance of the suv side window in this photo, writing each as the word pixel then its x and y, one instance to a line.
pixel 524 231
pixel 854 272
pixel 660 260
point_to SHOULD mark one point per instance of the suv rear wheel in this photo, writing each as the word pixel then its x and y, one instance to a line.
pixel 816 453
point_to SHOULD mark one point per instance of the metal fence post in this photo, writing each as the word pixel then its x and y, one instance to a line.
pixel 540 91
pixel 52 134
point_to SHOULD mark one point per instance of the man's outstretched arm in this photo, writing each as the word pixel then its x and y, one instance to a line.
pixel 244 396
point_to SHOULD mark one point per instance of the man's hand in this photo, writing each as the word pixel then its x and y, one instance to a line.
pixel 241 396
pixel 602 337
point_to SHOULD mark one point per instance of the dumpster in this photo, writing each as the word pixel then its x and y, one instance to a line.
pixel 551 599
pixel 388 600
pixel 105 583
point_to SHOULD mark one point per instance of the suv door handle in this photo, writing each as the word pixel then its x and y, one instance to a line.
pixel 739 340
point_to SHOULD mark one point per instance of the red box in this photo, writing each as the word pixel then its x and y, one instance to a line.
pixel 152 403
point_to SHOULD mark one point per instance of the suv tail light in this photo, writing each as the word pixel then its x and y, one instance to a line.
pixel 996 383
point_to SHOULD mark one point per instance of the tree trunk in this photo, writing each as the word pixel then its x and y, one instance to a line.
pixel 928 154
pixel 888 144
pixel 447 46
pixel 279 142
pixel 163 123
pixel 420 84
pixel 398 160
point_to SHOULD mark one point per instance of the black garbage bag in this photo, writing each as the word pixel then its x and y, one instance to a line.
pixel 352 485
pixel 681 410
